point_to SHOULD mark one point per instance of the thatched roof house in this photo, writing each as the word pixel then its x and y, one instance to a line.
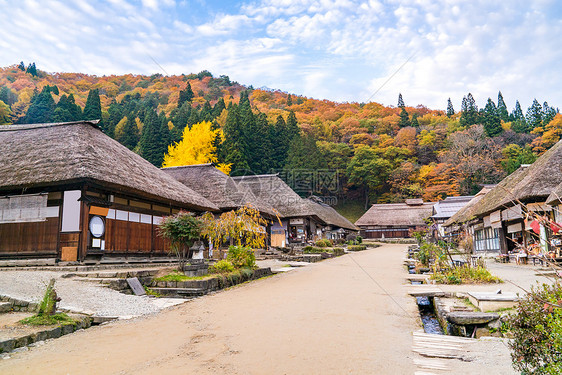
pixel 528 184
pixel 43 155
pixel 81 194
pixel 303 219
pixel 271 189
pixel 394 219
pixel 218 187
pixel 331 217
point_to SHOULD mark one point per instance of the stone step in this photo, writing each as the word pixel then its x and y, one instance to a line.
pixel 181 292
pixel 5 307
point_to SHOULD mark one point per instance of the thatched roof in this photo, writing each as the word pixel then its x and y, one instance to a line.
pixel 41 155
pixel 466 213
pixel 531 183
pixel 396 214
pixel 218 187
pixel 331 217
pixel 274 191
pixel 555 196
pixel 449 206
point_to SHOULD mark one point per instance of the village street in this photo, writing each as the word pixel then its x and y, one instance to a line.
pixel 329 318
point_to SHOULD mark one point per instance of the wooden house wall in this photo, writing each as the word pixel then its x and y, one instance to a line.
pixel 131 237
pixel 29 238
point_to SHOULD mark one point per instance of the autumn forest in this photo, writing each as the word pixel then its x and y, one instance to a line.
pixel 360 153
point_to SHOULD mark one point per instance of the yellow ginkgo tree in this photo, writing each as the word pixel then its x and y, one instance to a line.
pixel 197 146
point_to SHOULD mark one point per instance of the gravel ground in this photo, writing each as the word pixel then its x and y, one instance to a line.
pixel 80 296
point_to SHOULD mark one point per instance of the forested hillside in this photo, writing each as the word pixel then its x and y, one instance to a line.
pixel 365 152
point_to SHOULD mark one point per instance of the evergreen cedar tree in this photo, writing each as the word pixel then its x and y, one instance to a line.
pixel 414 153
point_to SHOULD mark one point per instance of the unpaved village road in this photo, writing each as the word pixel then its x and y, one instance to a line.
pixel 329 318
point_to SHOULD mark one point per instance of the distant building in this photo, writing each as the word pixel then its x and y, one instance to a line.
pixel 395 220
pixel 302 220
pixel 444 210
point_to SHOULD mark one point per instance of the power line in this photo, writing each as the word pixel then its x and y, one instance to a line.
pixel 389 78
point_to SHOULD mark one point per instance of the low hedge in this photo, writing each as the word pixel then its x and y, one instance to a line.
pixel 356 247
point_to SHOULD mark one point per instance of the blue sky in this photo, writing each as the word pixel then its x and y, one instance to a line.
pixel 341 50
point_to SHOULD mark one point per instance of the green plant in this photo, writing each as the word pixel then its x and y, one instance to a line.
pixel 241 257
pixel 44 320
pixel 182 229
pixel 48 304
pixel 359 239
pixel 464 275
pixel 536 327
pixel 357 248
pixel 323 243
pixel 222 266
pixel 151 292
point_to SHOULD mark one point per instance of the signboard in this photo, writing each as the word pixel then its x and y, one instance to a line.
pixel 136 286
pixel 296 221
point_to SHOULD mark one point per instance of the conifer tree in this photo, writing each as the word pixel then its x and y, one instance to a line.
pixel 42 107
pixel 415 122
pixel 548 113
pixel 404 118
pixel 289 100
pixel 218 108
pixel 165 134
pixel 92 109
pixel 293 129
pixel 502 108
pixel 21 66
pixel 31 69
pixel 186 95
pixel 450 109
pixel 491 119
pixel 129 137
pixel 400 101
pixel 469 111
pixel 534 115
pixel 519 123
pixel 149 144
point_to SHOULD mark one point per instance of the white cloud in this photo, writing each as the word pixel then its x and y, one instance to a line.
pixel 336 49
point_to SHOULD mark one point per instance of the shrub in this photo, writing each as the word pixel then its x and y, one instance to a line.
pixel 313 250
pixel 359 239
pixel 241 257
pixel 536 327
pixel 323 243
pixel 465 274
pixel 357 248
pixel 222 266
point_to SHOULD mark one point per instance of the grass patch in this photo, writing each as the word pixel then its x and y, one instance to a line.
pixel 317 250
pixel 151 292
pixel 178 276
pixel 465 275
pixel 47 320
pixel 351 210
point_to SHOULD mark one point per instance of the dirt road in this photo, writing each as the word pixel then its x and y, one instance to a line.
pixel 334 317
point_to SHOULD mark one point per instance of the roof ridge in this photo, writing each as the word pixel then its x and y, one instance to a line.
pixel 19 127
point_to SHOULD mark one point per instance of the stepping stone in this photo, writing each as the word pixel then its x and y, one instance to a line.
pixel 465 318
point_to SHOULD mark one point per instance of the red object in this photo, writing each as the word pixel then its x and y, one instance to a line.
pixel 555 227
pixel 535 226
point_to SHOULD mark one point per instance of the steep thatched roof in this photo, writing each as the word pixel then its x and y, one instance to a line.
pixel 330 216
pixel 40 155
pixel 527 184
pixel 274 191
pixel 396 214
pixel 466 213
pixel 218 187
